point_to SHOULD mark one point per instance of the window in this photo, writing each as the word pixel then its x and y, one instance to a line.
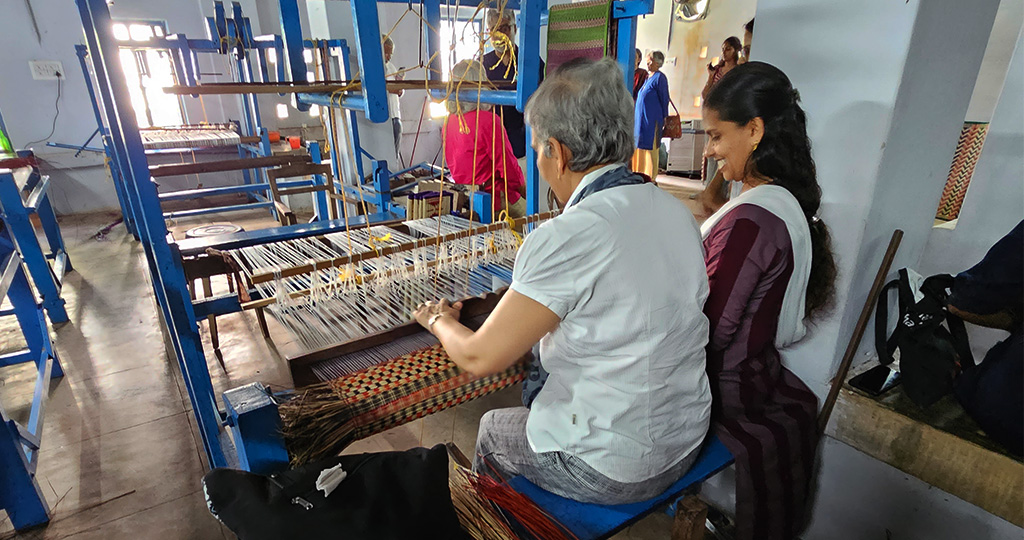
pixel 466 36
pixel 148 70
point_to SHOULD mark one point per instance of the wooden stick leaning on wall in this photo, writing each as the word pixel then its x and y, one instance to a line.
pixel 858 331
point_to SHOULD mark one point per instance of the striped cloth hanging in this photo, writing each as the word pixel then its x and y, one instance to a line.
pixel 578 30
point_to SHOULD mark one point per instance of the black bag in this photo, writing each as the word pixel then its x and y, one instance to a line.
pixel 929 353
pixel 386 496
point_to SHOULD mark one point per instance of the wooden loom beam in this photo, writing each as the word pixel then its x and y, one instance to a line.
pixel 158 171
pixel 339 261
pixel 313 88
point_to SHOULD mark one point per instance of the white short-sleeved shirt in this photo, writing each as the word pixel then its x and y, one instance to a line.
pixel 394 104
pixel 627 391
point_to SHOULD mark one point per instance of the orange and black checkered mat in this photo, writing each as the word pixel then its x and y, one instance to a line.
pixel 323 419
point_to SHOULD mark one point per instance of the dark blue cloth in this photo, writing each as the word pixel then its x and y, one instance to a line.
pixel 997 282
pixel 511 118
pixel 620 176
pixel 651 111
pixel 992 392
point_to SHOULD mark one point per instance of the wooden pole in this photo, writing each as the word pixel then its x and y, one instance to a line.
pixel 157 171
pixel 858 331
pixel 312 88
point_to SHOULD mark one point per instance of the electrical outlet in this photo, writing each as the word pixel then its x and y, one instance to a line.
pixel 46 70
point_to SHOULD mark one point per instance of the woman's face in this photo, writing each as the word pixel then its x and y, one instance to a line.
pixel 729 53
pixel 652 64
pixel 730 143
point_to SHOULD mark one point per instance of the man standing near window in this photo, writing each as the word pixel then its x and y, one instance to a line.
pixel 394 104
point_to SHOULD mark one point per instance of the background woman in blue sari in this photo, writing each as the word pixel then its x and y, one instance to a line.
pixel 649 117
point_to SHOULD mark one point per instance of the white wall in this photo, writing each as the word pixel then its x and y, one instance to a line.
pixel 1000 48
pixel 994 203
pixel 682 41
pixel 886 86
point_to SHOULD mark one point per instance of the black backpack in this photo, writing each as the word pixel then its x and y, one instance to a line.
pixel 930 354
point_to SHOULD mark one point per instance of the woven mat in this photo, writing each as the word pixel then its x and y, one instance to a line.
pixel 972 137
pixel 578 30
pixel 325 418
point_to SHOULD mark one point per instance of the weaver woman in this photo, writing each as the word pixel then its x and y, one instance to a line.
pixel 617 311
pixel 477 149
pixel 770 268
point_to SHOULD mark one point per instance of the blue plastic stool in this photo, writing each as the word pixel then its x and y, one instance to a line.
pixel 594 521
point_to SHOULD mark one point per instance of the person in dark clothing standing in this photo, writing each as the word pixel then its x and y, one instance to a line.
pixel 501 24
pixel 639 75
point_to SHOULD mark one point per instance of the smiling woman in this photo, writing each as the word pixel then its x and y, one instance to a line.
pixel 770 267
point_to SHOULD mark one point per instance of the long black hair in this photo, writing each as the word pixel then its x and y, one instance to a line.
pixel 783 156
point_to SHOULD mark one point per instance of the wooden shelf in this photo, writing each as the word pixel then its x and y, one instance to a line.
pixel 940 445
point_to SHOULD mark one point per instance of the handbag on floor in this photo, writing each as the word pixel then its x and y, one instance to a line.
pixel 928 354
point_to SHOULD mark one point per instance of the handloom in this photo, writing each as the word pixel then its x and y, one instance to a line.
pixel 371 367
pixel 187 137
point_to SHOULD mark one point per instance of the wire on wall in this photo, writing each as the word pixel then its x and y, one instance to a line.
pixel 56 106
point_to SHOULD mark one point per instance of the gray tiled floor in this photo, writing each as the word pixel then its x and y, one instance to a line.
pixel 120 453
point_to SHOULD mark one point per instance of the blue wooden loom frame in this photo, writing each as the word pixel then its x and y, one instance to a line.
pixel 251 412
pixel 20 494
pixel 141 202
pixel 17 206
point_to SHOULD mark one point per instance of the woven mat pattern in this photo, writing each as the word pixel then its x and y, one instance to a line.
pixel 972 137
pixel 325 418
pixel 578 30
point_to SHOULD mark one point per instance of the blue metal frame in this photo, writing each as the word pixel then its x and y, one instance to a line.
pixel 256 429
pixel 372 101
pixel 142 202
pixel 226 35
pixel 17 204
pixel 165 266
pixel 127 213
pixel 20 494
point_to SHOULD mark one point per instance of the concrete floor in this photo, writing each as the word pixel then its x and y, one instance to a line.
pixel 121 456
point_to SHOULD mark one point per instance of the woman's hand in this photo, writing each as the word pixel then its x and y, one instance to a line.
pixel 427 310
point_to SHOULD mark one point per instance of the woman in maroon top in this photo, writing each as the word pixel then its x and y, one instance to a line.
pixel 770 267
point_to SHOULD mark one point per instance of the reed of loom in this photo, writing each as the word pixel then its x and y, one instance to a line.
pixel 341 286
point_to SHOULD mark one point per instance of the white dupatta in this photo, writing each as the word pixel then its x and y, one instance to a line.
pixel 780 202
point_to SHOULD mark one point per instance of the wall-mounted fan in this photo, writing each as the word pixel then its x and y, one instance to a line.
pixel 690 10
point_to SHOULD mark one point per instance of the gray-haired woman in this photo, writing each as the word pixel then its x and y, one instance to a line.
pixel 618 315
